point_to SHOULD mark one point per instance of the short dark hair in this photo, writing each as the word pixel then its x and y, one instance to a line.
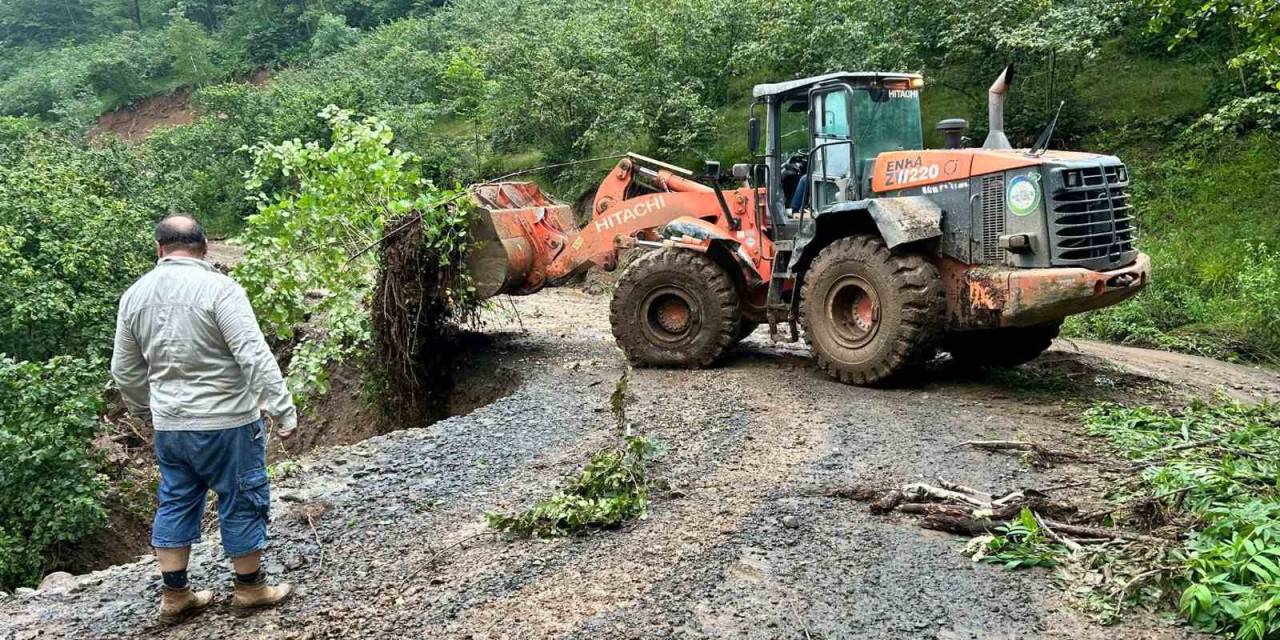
pixel 181 232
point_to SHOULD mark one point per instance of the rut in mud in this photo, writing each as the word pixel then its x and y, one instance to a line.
pixel 751 540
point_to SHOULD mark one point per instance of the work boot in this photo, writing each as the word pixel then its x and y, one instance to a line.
pixel 176 604
pixel 260 594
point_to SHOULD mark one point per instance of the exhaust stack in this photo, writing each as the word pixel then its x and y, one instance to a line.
pixel 995 110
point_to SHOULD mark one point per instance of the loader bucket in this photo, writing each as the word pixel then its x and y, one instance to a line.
pixel 515 236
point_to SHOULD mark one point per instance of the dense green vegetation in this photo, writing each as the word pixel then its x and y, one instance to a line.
pixel 1184 91
pixel 1213 466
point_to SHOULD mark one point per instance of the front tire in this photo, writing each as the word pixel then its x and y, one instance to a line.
pixel 1003 347
pixel 871 315
pixel 675 308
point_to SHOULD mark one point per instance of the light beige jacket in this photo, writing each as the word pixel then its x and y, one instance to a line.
pixel 189 354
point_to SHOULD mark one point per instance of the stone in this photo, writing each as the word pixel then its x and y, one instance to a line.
pixel 58 581
pixel 295 562
pixel 791 522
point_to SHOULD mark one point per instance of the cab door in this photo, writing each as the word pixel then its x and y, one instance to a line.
pixel 832 176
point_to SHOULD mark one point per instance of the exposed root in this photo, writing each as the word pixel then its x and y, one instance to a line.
pixel 415 311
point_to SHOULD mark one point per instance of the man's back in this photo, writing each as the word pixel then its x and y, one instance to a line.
pixel 192 331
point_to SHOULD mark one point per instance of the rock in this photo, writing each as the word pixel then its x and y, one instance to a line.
pixel 791 522
pixel 58 581
pixel 24 592
pixel 295 562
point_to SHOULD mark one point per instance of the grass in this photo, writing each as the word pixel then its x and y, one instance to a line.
pixel 1121 87
pixel 1211 471
pixel 1203 213
pixel 1206 478
pixel 1203 216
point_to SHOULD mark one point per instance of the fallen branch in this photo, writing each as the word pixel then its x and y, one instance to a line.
pixel 431 561
pixel 953 486
pixel 1030 447
pixel 1070 544
pixel 319 547
pixel 919 490
pixel 965 525
pixel 1100 532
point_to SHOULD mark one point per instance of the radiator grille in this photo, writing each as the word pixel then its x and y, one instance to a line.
pixel 1092 224
pixel 992 218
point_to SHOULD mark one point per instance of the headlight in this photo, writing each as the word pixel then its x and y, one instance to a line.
pixel 1122 175
pixel 1071 178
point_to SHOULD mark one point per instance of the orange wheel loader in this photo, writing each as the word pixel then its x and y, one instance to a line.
pixel 844 229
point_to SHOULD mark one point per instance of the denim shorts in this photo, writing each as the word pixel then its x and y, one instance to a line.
pixel 232 462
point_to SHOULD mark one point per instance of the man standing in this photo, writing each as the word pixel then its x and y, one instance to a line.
pixel 189 357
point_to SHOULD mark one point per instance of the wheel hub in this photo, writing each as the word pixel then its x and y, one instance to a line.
pixel 854 309
pixel 673 315
pixel 669 314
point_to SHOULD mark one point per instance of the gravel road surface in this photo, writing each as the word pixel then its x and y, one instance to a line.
pixel 386 537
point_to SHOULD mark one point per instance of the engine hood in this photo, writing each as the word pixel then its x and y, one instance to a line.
pixel 895 170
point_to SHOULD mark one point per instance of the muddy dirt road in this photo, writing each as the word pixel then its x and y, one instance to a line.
pixel 381 535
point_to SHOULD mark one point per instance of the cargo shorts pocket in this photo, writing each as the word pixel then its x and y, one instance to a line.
pixel 255 492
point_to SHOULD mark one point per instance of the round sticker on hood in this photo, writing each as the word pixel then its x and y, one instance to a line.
pixel 1023 195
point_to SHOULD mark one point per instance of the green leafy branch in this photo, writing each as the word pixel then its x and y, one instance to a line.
pixel 612 489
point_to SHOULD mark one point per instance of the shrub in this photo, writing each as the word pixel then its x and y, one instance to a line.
pixel 70 242
pixel 612 489
pixel 321 211
pixel 49 485
pixel 332 35
pixel 121 69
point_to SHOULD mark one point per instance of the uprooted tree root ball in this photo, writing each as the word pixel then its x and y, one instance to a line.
pixel 423 295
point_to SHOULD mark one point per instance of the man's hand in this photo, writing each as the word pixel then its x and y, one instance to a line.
pixel 285 434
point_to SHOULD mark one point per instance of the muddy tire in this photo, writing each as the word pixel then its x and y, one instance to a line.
pixel 675 308
pixel 1005 347
pixel 872 316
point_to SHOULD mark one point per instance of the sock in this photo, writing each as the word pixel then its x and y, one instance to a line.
pixel 175 579
pixel 250 578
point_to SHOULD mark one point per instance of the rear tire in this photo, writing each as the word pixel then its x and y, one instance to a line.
pixel 870 314
pixel 675 308
pixel 1004 347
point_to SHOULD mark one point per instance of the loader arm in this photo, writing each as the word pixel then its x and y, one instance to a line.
pixel 532 242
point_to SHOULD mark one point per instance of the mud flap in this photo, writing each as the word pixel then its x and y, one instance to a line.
pixel 905 220
pixel 899 221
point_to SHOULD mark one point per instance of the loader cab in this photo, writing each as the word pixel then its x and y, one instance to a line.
pixel 822 135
